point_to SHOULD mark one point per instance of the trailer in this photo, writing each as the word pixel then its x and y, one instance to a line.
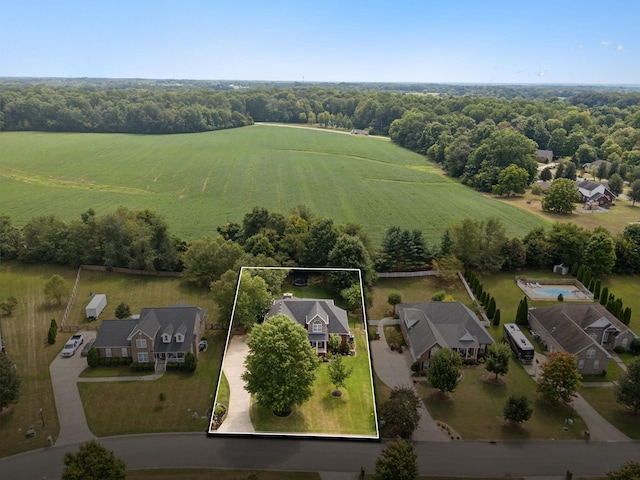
pixel 96 306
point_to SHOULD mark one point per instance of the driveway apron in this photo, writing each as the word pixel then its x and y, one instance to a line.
pixel 238 420
pixel 393 368
pixel 64 377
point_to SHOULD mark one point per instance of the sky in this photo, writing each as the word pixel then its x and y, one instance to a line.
pixel 426 41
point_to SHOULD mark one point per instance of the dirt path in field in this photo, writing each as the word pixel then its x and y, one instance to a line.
pixel 319 129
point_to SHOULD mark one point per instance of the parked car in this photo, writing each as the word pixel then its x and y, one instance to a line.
pixel 72 345
pixel 85 350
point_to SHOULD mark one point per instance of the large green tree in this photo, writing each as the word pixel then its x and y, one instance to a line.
pixel 567 242
pixel 561 197
pixel 479 244
pixel 9 382
pixel 599 254
pixel 627 471
pixel 517 409
pixel 498 357
pixel 512 180
pixel 401 412
pixel 628 387
pixel 397 461
pixel 206 260
pixel 559 379
pixel 55 289
pixel 92 461
pixel 444 370
pixel 253 300
pixel 634 192
pixel 281 364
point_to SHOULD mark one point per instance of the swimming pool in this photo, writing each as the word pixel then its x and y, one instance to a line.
pixel 554 292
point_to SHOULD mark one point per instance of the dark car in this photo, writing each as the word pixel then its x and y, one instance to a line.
pixel 85 350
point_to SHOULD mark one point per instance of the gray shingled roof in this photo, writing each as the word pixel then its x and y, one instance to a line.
pixel 302 311
pixel 447 324
pixel 114 333
pixel 566 322
pixel 152 321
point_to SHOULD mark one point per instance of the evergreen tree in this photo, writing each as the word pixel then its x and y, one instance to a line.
pixel 596 289
pixel 483 299
pixel 574 269
pixel 604 296
pixel 592 285
pixel 491 308
pixel 587 277
pixel 580 274
pixel 496 318
pixel 626 316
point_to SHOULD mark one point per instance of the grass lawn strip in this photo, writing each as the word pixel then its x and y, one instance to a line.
pixel 604 401
pixel 474 410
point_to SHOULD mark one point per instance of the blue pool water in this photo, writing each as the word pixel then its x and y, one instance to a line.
pixel 554 292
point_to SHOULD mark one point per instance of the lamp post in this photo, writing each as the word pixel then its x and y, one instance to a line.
pixel 42 417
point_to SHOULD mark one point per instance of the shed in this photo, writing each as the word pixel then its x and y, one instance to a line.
pixel 96 306
pixel 562 269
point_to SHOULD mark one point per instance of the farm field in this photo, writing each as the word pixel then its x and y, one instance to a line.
pixel 200 181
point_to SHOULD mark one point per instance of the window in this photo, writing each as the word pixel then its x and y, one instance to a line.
pixel 593 335
pixel 179 338
pixel 624 342
pixel 166 338
pixel 596 364
pixel 591 353
pixel 143 357
pixel 141 343
pixel 124 352
pixel 107 353
pixel 317 327
pixel 580 364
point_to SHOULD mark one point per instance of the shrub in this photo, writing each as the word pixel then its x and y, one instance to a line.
pixel 496 318
pixel 93 357
pixel 619 349
pixel 635 346
pixel 560 297
pixel 438 296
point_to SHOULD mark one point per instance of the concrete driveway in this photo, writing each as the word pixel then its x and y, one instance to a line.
pixel 64 377
pixel 394 369
pixel 238 420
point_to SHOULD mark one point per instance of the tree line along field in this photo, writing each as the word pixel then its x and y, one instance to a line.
pixel 200 181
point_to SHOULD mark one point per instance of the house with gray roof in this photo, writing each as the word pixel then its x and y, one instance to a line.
pixel 588 331
pixel 159 335
pixel 428 327
pixel 320 317
pixel 544 156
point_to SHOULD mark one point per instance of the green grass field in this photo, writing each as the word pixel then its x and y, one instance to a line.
pixel 200 181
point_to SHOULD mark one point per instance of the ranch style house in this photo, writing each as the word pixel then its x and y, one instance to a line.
pixel 320 317
pixel 428 327
pixel 159 335
pixel 587 331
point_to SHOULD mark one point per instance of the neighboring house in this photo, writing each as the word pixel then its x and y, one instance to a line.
pixel 159 335
pixel 544 156
pixel 595 192
pixel 357 131
pixel 428 327
pixel 319 317
pixel 592 167
pixel 587 331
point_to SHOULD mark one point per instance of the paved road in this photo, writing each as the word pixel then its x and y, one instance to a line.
pixel 64 376
pixel 238 419
pixel 393 369
pixel 530 459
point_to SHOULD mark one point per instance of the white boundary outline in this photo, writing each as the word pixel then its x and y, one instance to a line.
pixel 304 435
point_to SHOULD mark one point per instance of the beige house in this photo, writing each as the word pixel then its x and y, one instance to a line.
pixel 588 331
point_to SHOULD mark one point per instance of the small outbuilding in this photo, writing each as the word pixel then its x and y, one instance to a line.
pixel 562 269
pixel 96 306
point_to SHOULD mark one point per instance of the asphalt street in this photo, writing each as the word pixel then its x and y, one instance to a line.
pixel 528 459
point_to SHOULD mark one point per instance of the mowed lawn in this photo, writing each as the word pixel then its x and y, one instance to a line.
pixel 120 408
pixel 474 410
pixel 200 181
pixel 353 413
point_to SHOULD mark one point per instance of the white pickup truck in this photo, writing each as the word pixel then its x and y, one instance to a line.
pixel 72 345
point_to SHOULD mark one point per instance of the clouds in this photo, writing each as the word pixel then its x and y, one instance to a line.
pixel 606 43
